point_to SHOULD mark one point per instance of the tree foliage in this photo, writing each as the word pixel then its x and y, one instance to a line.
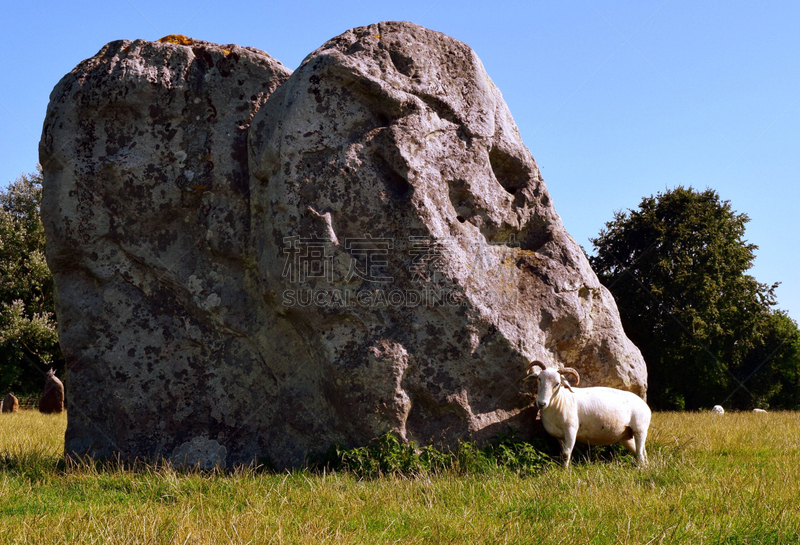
pixel 770 372
pixel 677 267
pixel 28 337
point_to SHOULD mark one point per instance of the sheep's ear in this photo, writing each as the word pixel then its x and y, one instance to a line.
pixel 565 383
pixel 530 377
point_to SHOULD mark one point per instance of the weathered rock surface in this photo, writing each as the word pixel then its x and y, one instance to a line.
pixel 389 259
pixel 10 404
pixel 52 400
pixel 146 207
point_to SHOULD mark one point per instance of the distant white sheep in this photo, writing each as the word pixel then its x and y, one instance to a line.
pixel 597 416
pixel 760 411
pixel 718 409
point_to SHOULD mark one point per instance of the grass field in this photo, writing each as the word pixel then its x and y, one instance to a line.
pixel 732 479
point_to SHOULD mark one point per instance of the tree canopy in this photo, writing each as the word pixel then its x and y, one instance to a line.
pixel 28 337
pixel 677 267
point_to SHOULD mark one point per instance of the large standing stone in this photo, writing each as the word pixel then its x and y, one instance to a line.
pixel 52 400
pixel 10 404
pixel 389 261
pixel 147 213
pixel 392 144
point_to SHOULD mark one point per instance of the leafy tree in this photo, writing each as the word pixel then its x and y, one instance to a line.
pixel 28 337
pixel 677 269
pixel 770 371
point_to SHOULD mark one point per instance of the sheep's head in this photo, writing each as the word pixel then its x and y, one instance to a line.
pixel 550 380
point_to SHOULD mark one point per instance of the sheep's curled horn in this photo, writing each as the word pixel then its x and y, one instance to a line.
pixel 528 374
pixel 571 371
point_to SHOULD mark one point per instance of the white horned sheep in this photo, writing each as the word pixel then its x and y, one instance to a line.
pixel 597 415
pixel 717 409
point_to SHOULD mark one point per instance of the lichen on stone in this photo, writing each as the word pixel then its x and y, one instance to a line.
pixel 178 39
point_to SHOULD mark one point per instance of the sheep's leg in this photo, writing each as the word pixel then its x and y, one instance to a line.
pixel 629 444
pixel 567 444
pixel 641 453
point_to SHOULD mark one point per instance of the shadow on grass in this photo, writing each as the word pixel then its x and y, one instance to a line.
pixel 386 455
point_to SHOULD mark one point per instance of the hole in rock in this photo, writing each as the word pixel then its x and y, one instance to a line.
pixel 403 64
pixel 511 172
pixel 462 200
pixel 397 185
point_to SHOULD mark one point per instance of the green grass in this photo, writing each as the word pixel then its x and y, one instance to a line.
pixel 732 479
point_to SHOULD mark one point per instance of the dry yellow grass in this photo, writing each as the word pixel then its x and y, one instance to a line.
pixel 29 432
pixel 712 479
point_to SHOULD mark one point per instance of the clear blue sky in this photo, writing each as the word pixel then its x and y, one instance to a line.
pixel 616 100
